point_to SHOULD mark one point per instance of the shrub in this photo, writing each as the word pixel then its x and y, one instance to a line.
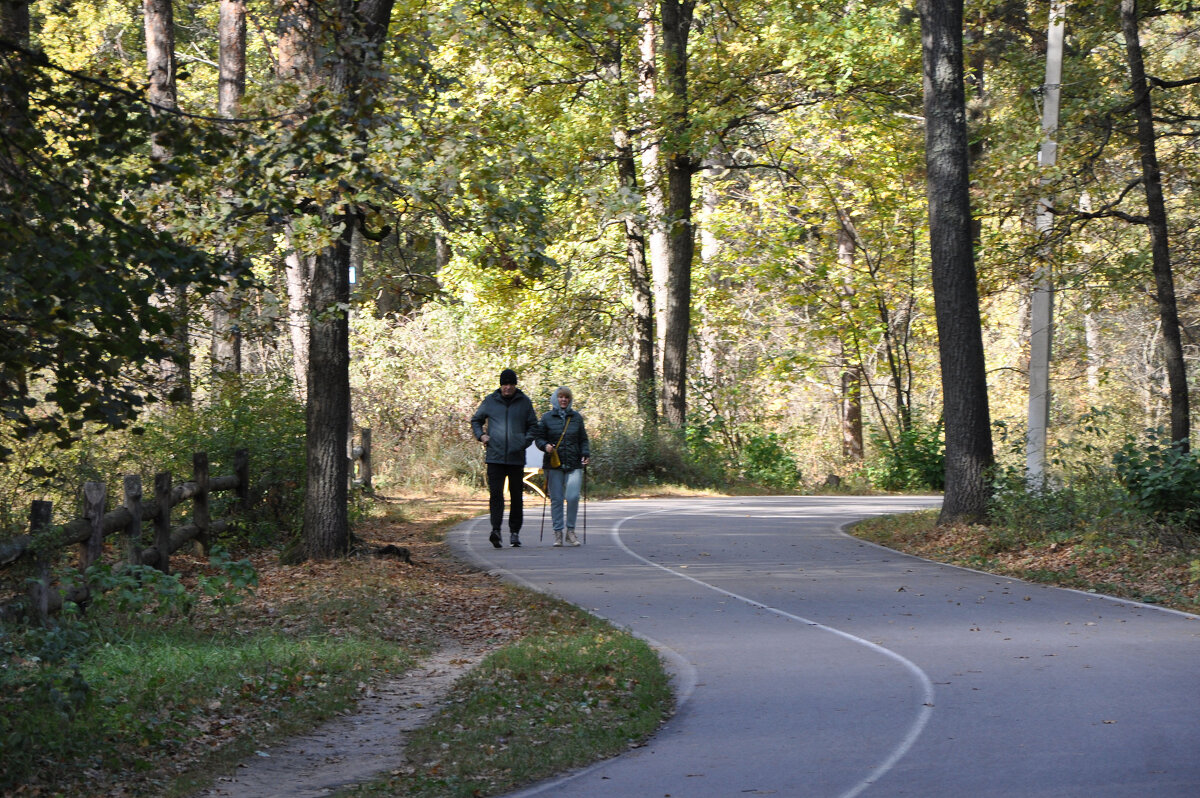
pixel 263 418
pixel 1162 479
pixel 913 460
pixel 766 461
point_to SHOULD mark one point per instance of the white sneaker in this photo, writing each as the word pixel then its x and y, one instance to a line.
pixel 571 539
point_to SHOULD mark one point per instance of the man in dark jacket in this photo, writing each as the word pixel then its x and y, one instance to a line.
pixel 500 424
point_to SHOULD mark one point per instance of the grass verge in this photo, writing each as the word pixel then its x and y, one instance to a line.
pixel 159 699
pixel 1125 566
pixel 572 693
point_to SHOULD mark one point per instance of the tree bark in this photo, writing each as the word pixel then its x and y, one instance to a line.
pixel 231 34
pixel 159 22
pixel 296 65
pixel 362 28
pixel 969 453
pixel 1156 213
pixel 851 415
pixel 635 256
pixel 652 175
pixel 676 27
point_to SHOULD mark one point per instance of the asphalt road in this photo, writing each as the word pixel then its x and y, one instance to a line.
pixel 809 663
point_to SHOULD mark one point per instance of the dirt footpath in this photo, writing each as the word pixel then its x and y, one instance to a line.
pixel 356 747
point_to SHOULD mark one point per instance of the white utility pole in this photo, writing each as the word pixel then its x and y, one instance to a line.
pixel 1041 322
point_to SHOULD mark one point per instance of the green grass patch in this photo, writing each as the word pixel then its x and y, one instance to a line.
pixel 130 707
pixel 578 692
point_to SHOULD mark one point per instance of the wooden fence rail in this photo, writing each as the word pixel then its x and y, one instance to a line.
pixel 89 531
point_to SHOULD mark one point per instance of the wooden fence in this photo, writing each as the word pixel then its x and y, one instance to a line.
pixel 89 531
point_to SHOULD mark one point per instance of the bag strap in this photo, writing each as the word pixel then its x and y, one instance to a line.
pixel 566 424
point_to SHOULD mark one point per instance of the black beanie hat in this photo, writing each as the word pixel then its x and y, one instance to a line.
pixel 508 377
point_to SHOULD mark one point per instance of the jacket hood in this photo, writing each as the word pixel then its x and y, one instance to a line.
pixel 554 408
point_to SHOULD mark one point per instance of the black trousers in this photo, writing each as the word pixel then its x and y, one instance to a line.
pixel 496 473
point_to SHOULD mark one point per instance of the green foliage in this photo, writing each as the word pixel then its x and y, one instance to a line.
pixel 629 457
pixel 1162 479
pixel 912 460
pixel 254 414
pixel 767 461
pixel 88 259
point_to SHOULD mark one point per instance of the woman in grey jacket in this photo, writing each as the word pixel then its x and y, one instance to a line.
pixel 561 433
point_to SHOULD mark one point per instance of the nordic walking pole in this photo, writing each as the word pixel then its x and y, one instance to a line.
pixel 585 505
pixel 546 487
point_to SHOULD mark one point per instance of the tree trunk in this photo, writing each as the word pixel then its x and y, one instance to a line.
pixel 676 27
pixel 326 524
pixel 639 273
pixel 226 335
pixel 361 28
pixel 1156 212
pixel 159 18
pixel 159 21
pixel 298 272
pixel 851 415
pixel 969 453
pixel 1041 303
pixel 296 64
pixel 710 248
pixel 652 177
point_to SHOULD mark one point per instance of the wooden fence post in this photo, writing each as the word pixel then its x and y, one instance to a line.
pixel 39 520
pixel 93 510
pixel 201 516
pixel 162 521
pixel 133 531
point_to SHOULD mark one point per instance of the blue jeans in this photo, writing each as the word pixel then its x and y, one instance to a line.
pixel 560 481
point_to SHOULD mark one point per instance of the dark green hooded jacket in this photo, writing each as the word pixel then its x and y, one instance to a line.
pixel 507 423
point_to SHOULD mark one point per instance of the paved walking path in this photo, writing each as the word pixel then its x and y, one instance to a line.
pixel 809 663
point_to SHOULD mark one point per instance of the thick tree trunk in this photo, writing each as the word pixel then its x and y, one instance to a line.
pixel 361 29
pixel 969 453
pixel 676 27
pixel 1156 212
pixel 159 18
pixel 326 524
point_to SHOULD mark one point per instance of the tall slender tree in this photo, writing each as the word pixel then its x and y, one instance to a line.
pixel 231 86
pixel 681 166
pixel 969 452
pixel 1156 220
pixel 159 22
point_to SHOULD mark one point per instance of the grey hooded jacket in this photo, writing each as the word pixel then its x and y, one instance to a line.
pixel 574 446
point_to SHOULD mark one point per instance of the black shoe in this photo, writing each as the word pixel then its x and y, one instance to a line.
pixel 495 538
pixel 514 541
